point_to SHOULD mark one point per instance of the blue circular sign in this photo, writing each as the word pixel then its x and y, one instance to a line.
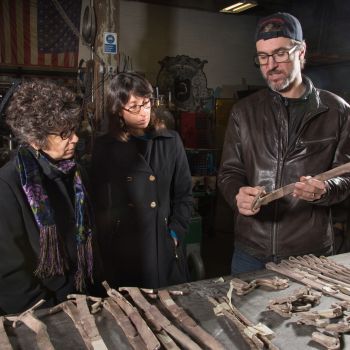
pixel 110 39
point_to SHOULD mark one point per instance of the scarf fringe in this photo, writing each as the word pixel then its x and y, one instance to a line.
pixel 51 262
pixel 85 259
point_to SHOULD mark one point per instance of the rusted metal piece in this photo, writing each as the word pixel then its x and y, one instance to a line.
pixel 188 323
pixel 149 291
pixel 83 320
pixel 329 342
pixel 257 336
pixel 326 287
pixel 87 320
pixel 39 328
pixel 345 305
pixel 300 300
pixel 340 272
pixel 338 327
pixel 159 321
pixel 335 311
pixel 341 268
pixel 318 322
pixel 251 330
pixel 242 287
pixel 334 275
pixel 324 267
pixel 145 332
pixel 4 340
pixel 223 309
pixel 317 273
pixel 166 341
pixel 342 326
pixel 320 318
pixel 275 283
pixel 265 198
pixel 125 324
pixel 285 269
pixel 42 337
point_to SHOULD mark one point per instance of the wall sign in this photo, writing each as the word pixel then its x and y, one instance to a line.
pixel 110 42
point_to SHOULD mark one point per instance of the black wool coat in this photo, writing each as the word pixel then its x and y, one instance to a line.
pixel 19 245
pixel 142 189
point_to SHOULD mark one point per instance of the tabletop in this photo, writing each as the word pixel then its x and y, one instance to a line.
pixel 288 335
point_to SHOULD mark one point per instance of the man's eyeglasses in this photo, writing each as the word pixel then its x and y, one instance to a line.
pixel 65 134
pixel 135 109
pixel 282 55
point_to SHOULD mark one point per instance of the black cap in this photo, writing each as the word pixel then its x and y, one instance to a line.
pixel 286 26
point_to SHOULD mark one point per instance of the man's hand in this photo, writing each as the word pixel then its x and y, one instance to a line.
pixel 309 189
pixel 245 198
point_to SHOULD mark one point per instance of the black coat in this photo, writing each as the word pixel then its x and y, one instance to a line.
pixel 142 189
pixel 19 245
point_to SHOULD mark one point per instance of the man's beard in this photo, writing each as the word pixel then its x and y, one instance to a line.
pixel 282 85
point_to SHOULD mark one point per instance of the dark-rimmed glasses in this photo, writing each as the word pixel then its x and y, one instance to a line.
pixel 135 109
pixel 282 55
pixel 65 134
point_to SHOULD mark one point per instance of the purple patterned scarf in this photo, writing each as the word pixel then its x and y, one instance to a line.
pixel 52 260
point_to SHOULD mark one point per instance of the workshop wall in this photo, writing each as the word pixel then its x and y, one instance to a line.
pixel 150 32
pixel 325 25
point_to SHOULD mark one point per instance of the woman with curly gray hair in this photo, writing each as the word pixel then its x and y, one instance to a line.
pixel 46 231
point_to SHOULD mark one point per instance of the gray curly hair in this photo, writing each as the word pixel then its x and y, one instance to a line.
pixel 40 107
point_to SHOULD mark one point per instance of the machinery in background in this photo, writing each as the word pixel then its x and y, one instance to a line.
pixel 7 141
pixel 185 103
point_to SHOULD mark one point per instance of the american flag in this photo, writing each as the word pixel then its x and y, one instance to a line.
pixel 33 33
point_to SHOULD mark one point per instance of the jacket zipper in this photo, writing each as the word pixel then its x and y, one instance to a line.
pixel 279 177
pixel 278 184
pixel 278 181
pixel 116 226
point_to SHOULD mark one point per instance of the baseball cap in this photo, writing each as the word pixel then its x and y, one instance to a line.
pixel 286 26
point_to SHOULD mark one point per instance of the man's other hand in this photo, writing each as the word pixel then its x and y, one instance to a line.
pixel 245 198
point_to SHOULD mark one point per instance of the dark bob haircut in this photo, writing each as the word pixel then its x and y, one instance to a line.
pixel 40 107
pixel 122 86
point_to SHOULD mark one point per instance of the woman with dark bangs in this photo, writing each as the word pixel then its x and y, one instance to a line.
pixel 142 191
pixel 47 249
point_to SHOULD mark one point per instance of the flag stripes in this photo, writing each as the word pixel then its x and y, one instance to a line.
pixel 19 41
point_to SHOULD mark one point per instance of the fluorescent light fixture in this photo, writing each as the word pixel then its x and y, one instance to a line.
pixel 239 6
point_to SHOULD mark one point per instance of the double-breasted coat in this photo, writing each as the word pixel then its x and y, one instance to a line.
pixel 142 190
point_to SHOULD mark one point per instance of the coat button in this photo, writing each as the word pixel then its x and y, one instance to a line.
pixel 129 178
pixel 153 204
pixel 152 178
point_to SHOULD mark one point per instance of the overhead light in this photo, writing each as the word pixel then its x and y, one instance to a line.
pixel 239 6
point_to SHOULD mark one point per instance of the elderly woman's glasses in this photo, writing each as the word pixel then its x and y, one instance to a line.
pixel 282 55
pixel 65 134
pixel 136 109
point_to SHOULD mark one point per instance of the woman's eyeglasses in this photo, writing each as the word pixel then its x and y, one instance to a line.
pixel 65 134
pixel 136 109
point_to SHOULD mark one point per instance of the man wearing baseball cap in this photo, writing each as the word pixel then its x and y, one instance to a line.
pixel 284 134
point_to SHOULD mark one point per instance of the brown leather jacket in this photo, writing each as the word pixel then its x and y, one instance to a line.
pixel 256 153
